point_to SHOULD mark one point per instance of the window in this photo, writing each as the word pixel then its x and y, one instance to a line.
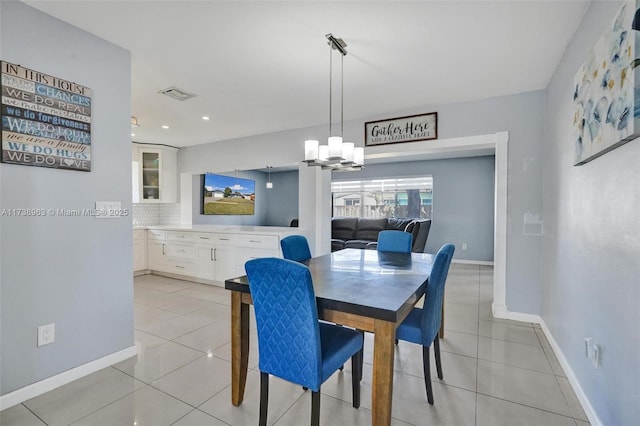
pixel 380 198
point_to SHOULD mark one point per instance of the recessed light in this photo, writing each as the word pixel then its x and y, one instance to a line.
pixel 133 134
pixel 206 118
pixel 164 126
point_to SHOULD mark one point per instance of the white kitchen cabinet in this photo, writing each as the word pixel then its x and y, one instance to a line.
pixel 158 260
pixel 139 250
pixel 205 263
pixel 225 257
pixel 215 256
pixel 209 256
pixel 157 179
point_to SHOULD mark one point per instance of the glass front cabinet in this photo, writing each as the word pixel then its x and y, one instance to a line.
pixel 151 175
pixel 154 174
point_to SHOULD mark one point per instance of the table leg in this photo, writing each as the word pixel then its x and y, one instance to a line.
pixel 383 353
pixel 239 347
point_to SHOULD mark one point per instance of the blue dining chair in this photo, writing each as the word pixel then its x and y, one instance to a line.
pixel 293 344
pixel 295 247
pixel 397 241
pixel 421 325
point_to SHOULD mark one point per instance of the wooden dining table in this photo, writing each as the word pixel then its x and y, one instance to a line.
pixel 364 289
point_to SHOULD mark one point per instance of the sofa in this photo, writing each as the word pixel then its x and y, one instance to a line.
pixel 362 233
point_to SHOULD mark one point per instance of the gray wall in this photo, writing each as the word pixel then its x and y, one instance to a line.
pixel 463 200
pixel 73 271
pixel 521 115
pixel 591 248
pixel 281 202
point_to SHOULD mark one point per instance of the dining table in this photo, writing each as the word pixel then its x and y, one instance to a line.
pixel 368 290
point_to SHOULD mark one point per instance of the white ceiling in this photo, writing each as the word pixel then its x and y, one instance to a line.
pixel 263 66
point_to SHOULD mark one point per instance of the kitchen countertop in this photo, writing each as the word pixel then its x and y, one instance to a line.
pixel 226 229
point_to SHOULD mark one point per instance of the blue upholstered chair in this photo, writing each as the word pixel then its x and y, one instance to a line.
pixel 398 241
pixel 293 344
pixel 421 325
pixel 295 247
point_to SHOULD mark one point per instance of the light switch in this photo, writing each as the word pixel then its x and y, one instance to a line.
pixel 109 210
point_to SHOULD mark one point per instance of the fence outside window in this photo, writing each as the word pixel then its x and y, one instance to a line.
pixel 383 198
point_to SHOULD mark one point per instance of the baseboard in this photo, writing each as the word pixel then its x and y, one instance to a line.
pixel 473 262
pixel 141 272
pixel 573 380
pixel 31 391
pixel 501 311
pixel 187 278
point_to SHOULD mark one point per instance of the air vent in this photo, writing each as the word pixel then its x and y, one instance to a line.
pixel 175 93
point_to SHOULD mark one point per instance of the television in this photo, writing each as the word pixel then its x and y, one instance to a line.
pixel 228 195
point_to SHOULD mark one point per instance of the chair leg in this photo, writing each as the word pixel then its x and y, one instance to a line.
pixel 436 352
pixel 426 368
pixel 361 356
pixel 315 408
pixel 264 398
pixel 356 368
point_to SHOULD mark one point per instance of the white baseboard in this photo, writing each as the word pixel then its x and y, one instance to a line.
pixel 473 262
pixel 31 391
pixel 500 311
pixel 573 380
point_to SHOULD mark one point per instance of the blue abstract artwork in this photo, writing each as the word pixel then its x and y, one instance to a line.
pixel 606 89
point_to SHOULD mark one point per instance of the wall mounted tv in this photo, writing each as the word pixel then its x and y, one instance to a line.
pixel 228 195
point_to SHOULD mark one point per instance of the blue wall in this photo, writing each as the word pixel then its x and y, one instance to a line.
pixel 281 202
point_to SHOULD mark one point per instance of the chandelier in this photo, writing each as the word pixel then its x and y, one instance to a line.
pixel 336 154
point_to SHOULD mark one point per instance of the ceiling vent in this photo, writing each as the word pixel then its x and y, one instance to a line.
pixel 175 93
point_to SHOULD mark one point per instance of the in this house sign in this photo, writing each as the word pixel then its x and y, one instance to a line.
pixel 46 121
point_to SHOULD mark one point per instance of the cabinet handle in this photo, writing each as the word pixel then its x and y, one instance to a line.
pixel 179 267
pixel 215 258
pixel 204 238
pixel 223 239
pixel 211 254
pixel 163 253
pixel 179 236
pixel 255 241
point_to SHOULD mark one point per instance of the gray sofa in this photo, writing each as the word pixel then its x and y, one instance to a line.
pixel 353 232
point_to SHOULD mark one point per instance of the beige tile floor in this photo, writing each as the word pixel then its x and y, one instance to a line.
pixel 496 372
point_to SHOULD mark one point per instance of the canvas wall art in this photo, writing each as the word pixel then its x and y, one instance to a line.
pixel 46 121
pixel 606 95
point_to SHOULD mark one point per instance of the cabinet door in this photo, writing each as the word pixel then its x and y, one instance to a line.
pixel 139 255
pixel 205 263
pixel 150 175
pixel 225 262
pixel 157 257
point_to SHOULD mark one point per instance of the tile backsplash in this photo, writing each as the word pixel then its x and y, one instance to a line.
pixel 147 214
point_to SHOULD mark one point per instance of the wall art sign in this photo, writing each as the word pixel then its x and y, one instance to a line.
pixel 46 121
pixel 411 128
pixel 606 89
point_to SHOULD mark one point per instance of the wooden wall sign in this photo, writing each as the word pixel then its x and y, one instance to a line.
pixel 411 128
pixel 46 121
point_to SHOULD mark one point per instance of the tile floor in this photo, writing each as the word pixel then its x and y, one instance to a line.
pixel 496 372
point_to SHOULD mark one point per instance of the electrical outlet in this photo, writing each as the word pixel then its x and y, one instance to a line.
pixel 587 347
pixel 464 246
pixel 46 334
pixel 595 359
